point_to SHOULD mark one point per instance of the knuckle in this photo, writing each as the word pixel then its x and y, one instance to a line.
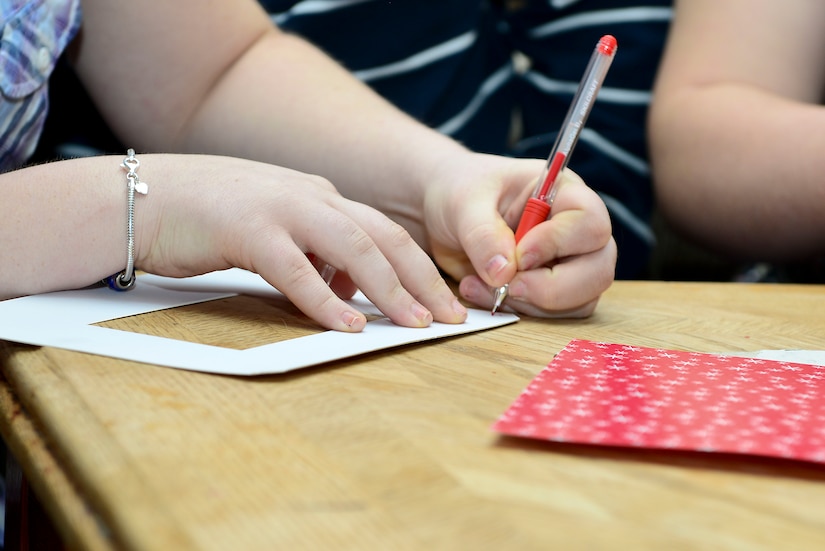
pixel 603 229
pixel 296 274
pixel 398 236
pixel 321 182
pixel 361 244
pixel 482 233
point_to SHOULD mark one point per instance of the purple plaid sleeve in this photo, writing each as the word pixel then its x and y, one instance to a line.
pixel 35 33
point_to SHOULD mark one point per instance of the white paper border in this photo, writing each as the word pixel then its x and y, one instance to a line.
pixel 65 320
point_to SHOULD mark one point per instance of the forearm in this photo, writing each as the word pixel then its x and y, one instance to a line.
pixel 289 104
pixel 736 134
pixel 255 93
pixel 741 170
pixel 64 225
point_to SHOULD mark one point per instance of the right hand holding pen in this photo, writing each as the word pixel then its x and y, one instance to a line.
pixel 210 213
pixel 559 268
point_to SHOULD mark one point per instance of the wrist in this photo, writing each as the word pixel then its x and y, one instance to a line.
pixel 427 167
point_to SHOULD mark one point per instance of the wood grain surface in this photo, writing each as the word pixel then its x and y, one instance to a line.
pixel 393 450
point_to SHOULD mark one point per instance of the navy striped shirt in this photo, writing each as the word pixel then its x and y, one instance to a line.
pixel 471 67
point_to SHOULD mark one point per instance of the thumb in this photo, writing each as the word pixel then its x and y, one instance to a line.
pixel 489 244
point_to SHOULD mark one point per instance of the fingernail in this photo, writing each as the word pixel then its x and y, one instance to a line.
pixel 458 308
pixel 423 315
pixel 518 289
pixel 471 290
pixel 350 319
pixel 529 261
pixel 496 264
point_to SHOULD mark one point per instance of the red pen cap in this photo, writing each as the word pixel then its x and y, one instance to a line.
pixel 607 44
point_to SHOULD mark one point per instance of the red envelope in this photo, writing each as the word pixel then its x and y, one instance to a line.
pixel 620 395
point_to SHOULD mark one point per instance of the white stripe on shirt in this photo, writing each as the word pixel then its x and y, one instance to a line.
pixel 628 219
pixel 309 7
pixel 623 15
pixel 606 94
pixel 610 149
pixel 597 141
pixel 561 4
pixel 422 58
pixel 488 88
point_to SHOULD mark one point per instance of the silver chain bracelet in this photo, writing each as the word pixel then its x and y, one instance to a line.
pixel 125 280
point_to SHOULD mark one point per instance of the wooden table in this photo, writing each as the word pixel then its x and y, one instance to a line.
pixel 394 450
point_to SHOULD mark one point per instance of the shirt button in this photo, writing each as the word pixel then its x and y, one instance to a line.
pixel 44 60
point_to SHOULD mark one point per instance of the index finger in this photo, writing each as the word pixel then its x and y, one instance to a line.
pixel 579 223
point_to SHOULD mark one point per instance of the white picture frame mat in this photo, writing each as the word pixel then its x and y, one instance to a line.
pixel 66 320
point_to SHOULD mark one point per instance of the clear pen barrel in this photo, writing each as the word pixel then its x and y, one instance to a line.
pixel 579 110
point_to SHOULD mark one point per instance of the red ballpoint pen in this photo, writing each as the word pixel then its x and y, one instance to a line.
pixel 538 206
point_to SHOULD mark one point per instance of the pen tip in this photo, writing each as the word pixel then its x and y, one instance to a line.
pixel 500 295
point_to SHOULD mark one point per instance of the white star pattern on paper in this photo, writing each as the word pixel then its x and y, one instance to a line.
pixel 614 394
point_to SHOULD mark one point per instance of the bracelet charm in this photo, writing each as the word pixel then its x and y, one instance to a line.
pixel 125 280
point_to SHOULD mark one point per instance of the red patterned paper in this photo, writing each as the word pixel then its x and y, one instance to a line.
pixel 620 395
